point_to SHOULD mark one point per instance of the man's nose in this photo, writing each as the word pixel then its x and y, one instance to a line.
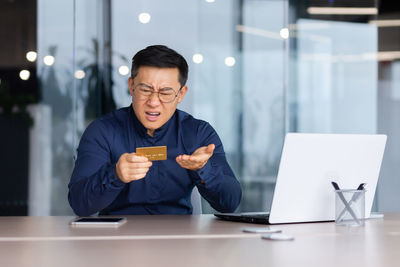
pixel 154 99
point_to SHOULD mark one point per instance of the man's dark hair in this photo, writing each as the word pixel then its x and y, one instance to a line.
pixel 160 56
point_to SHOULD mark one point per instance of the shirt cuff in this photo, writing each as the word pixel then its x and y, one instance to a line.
pixel 113 179
pixel 203 175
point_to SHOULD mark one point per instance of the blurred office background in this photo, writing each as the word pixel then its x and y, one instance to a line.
pixel 258 69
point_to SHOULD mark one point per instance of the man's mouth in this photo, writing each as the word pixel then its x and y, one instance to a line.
pixel 152 116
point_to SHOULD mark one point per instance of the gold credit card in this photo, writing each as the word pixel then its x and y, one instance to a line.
pixel 153 153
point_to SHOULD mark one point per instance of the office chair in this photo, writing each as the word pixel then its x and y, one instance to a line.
pixel 195 199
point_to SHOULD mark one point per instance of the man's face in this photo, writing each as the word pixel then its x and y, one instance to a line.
pixel 151 112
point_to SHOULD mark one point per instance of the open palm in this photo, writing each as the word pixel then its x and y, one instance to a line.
pixel 198 159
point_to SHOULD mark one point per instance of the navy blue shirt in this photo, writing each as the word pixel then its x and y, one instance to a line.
pixel 166 188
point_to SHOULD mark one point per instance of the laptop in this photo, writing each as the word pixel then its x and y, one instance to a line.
pixel 309 163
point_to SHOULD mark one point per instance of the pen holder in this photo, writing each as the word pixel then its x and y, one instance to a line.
pixel 350 207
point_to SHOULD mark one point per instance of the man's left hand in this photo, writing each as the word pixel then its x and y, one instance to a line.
pixel 198 159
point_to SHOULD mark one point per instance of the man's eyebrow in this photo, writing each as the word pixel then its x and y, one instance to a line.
pixel 151 87
pixel 166 88
pixel 145 85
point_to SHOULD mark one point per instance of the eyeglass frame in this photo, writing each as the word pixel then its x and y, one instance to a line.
pixel 158 93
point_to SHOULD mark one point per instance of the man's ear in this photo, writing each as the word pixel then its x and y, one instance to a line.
pixel 130 84
pixel 182 93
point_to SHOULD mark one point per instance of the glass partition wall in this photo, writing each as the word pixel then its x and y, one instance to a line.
pixel 236 51
pixel 342 76
pixel 257 69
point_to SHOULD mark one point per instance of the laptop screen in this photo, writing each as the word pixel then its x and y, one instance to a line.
pixel 309 162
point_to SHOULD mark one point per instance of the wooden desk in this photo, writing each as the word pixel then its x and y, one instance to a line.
pixel 195 241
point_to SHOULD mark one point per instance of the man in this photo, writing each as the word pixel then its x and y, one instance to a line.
pixel 110 178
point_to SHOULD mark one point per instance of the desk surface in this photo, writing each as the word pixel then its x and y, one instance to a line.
pixel 195 241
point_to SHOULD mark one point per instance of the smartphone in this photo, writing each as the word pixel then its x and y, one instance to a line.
pixel 99 221
pixel 263 230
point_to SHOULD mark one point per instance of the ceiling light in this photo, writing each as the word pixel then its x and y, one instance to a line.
pixel 79 74
pixel 31 56
pixel 230 61
pixel 342 10
pixel 144 18
pixel 388 55
pixel 48 60
pixel 386 23
pixel 284 32
pixel 24 74
pixel 197 58
pixel 123 70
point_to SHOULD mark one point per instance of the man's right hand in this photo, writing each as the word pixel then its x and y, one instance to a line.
pixel 131 167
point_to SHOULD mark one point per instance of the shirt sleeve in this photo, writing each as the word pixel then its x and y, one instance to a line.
pixel 216 181
pixel 94 184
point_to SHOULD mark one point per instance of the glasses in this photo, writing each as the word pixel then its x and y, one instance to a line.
pixel 166 95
